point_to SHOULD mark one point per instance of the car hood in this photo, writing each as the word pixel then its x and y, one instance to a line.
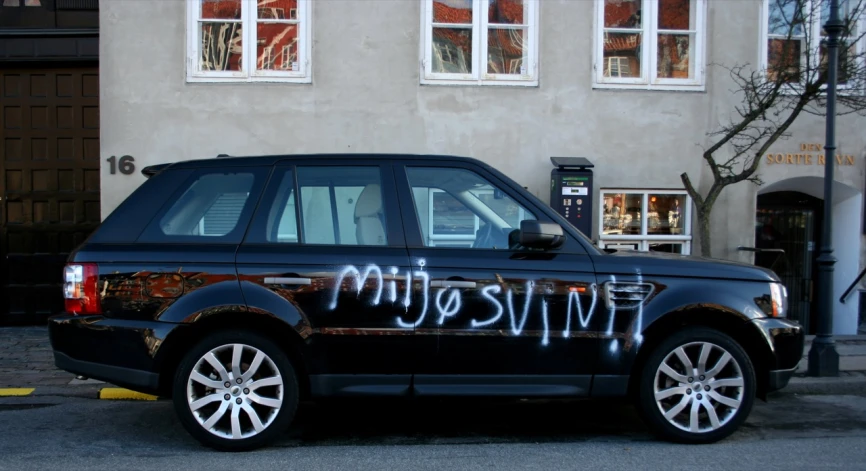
pixel 665 264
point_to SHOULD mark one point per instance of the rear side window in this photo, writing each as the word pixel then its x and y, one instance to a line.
pixel 332 205
pixel 211 207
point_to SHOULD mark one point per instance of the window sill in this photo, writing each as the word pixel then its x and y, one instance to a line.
pixel 648 87
pixel 236 80
pixel 481 83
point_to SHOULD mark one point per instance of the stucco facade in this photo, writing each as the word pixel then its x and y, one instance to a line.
pixel 366 96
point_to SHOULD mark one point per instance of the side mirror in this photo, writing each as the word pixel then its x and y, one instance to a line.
pixel 541 235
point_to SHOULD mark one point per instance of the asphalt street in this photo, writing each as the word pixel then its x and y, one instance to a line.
pixel 789 432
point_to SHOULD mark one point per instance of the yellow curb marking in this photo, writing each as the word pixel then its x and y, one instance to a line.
pixel 16 391
pixel 121 393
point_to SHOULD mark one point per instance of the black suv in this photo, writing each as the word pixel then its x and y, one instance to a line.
pixel 239 286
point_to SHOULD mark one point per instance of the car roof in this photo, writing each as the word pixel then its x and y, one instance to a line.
pixel 224 160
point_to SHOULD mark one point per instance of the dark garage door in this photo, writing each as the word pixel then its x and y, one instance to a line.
pixel 49 162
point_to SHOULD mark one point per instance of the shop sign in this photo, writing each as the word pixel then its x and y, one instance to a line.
pixel 810 154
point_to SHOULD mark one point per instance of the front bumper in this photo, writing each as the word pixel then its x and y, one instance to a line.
pixel 786 341
pixel 118 351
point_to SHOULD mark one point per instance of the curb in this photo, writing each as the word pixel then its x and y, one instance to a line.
pixel 826 385
pixel 123 394
pixel 111 394
pixel 16 392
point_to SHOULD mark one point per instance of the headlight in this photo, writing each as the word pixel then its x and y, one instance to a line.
pixel 779 298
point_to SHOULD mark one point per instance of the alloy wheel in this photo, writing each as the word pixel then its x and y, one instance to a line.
pixel 235 391
pixel 699 387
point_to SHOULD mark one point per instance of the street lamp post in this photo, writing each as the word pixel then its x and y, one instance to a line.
pixel 823 357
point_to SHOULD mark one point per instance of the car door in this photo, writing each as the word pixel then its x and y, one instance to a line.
pixel 327 240
pixel 498 318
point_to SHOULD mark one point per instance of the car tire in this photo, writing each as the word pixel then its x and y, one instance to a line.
pixel 697 386
pixel 230 415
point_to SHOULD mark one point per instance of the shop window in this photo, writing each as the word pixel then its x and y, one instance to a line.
pixel 486 42
pixel 646 220
pixel 238 40
pixel 650 44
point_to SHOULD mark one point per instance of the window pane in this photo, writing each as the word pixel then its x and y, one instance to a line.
pixel 211 206
pixel 32 3
pixel 458 208
pixel 452 51
pixel 450 216
pixel 452 11
pixel 221 9
pixel 622 55
pixel 666 214
pixel 674 56
pixel 783 59
pixel 847 61
pixel 677 14
pixel 622 213
pixel 506 12
pixel 622 14
pixel 221 47
pixel 11 3
pixel 786 18
pixel 844 8
pixel 277 9
pixel 277 46
pixel 506 49
pixel 342 205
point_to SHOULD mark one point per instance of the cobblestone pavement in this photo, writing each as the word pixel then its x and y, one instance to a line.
pixel 26 359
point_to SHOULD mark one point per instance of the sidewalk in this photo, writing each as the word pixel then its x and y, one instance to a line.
pixel 26 361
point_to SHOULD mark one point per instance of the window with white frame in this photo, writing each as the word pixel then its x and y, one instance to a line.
pixel 248 41
pixel 650 44
pixel 645 220
pixel 485 42
pixel 793 38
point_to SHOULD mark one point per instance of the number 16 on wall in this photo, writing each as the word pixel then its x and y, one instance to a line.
pixel 127 167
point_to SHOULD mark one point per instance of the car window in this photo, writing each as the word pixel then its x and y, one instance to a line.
pixel 210 207
pixel 340 206
pixel 459 208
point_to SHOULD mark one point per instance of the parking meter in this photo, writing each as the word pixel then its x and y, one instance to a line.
pixel 571 191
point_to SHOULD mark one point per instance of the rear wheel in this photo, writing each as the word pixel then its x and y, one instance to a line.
pixel 697 386
pixel 235 391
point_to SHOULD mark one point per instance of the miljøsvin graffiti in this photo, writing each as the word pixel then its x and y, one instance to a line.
pixel 447 301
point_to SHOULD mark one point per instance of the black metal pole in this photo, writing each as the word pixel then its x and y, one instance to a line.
pixel 823 357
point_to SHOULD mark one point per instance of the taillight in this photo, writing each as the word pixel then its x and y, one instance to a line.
pixel 81 288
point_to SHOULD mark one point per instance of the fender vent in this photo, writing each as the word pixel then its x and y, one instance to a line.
pixel 620 295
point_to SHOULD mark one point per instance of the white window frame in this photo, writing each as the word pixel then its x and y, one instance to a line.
pixel 642 241
pixel 649 54
pixel 814 50
pixel 479 28
pixel 249 14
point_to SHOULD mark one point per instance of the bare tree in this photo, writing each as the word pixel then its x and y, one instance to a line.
pixel 771 100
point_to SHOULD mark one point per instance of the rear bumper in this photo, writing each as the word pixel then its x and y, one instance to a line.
pixel 139 380
pixel 118 351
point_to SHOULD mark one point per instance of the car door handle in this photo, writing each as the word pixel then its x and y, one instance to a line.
pixel 452 284
pixel 279 280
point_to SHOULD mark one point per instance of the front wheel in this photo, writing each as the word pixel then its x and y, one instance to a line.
pixel 697 386
pixel 235 391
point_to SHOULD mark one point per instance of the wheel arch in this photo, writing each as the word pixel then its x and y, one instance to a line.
pixel 719 318
pixel 177 343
